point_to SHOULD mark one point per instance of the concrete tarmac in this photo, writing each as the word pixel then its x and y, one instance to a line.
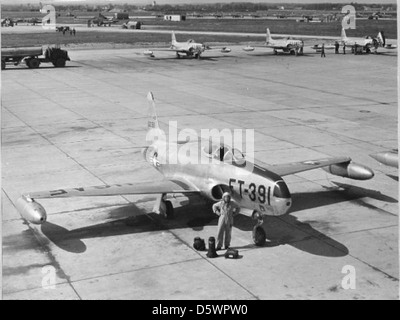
pixel 85 125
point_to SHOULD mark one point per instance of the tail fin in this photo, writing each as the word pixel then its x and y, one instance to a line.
pixel 381 38
pixel 173 38
pixel 343 35
pixel 154 133
pixel 153 120
pixel 268 36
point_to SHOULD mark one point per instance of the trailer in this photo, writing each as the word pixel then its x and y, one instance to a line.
pixel 34 56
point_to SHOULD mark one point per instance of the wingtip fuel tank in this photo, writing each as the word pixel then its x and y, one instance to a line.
pixel 390 158
pixel 30 210
pixel 248 49
pixel 350 170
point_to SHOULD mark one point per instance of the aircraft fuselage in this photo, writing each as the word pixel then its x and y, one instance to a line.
pixel 251 186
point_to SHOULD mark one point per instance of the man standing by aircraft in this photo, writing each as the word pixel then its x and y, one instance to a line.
pixel 226 209
pixel 323 50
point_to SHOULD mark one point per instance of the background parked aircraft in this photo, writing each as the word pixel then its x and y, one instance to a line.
pixel 287 45
pixel 190 48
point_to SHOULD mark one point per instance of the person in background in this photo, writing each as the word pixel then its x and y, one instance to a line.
pixel 336 47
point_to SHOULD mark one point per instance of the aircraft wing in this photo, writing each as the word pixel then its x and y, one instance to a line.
pixel 150 52
pixel 165 49
pixel 251 48
pixel 223 49
pixel 327 47
pixel 149 187
pixel 296 167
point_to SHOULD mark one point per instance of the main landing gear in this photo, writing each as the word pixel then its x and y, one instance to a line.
pixel 164 207
pixel 169 209
pixel 259 235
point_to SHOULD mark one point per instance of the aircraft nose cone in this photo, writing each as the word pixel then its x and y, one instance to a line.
pixel 282 206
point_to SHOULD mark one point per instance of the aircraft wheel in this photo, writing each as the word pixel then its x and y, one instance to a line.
pixel 275 52
pixel 169 209
pixel 3 65
pixel 259 236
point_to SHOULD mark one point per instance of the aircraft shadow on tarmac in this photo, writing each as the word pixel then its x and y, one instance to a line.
pixel 284 230
pixel 184 58
pixel 22 68
pixel 395 178
pixel 269 54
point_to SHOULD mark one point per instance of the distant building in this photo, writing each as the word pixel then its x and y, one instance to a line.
pixel 121 15
pixel 116 10
pixel 174 17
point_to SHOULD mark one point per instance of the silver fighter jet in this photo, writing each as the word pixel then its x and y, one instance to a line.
pixel 288 45
pixel 208 170
pixel 189 48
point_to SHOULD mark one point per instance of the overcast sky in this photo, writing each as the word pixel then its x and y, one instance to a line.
pixel 142 2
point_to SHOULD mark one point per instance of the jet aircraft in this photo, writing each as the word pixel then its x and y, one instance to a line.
pixel 209 170
pixel 367 43
pixel 286 45
pixel 190 48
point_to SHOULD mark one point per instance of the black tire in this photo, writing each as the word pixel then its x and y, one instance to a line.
pixel 59 63
pixel 169 209
pixel 33 63
pixel 259 236
pixel 3 64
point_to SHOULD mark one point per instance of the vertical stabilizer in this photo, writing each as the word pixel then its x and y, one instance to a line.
pixel 268 36
pixel 343 35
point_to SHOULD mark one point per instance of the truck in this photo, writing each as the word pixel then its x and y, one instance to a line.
pixel 34 56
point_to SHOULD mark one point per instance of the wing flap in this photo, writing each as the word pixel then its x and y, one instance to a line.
pixel 296 167
pixel 149 187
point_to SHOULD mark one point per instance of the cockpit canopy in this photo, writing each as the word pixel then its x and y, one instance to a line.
pixel 225 154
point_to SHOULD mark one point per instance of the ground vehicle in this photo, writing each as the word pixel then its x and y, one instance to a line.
pixel 33 56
